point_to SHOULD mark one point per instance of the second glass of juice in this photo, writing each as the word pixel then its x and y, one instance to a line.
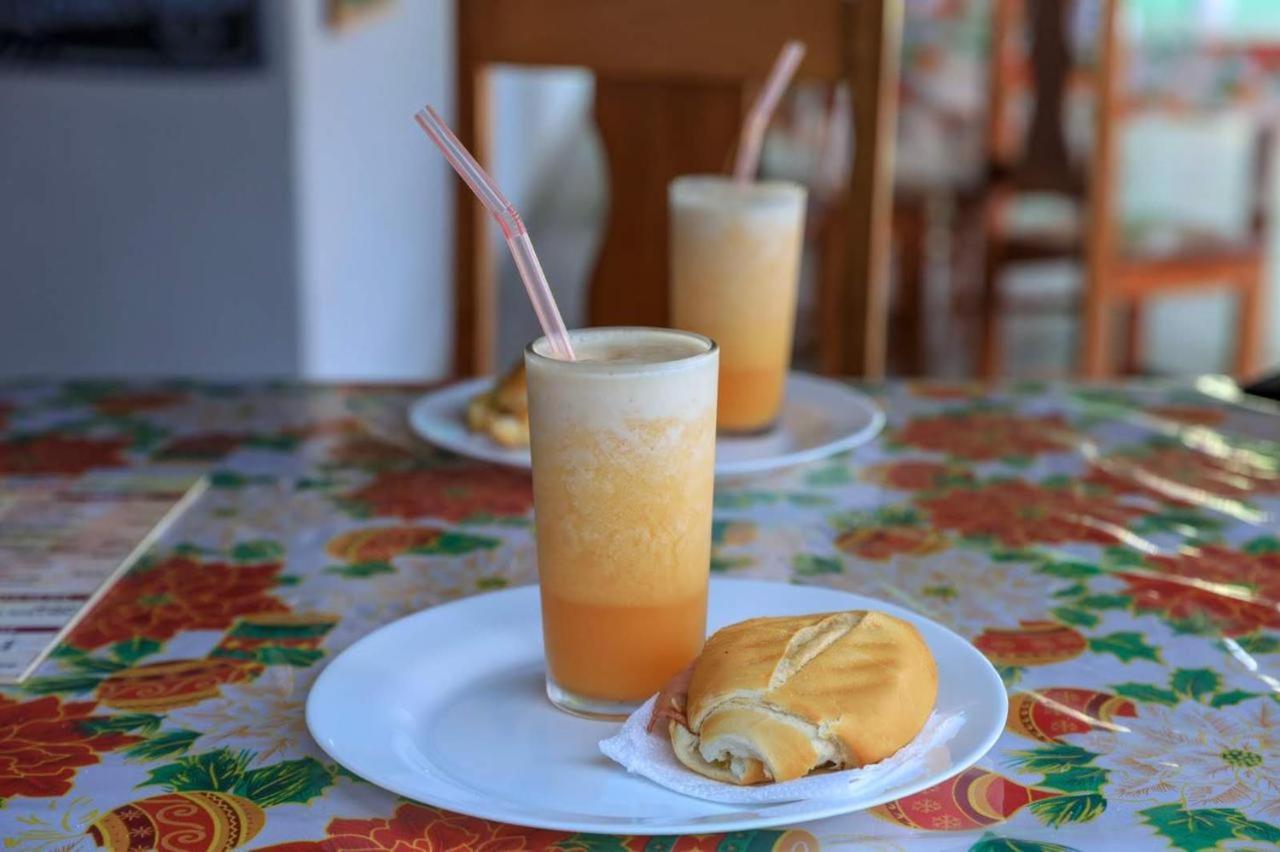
pixel 735 269
pixel 623 447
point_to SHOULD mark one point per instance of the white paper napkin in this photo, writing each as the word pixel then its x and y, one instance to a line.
pixel 650 755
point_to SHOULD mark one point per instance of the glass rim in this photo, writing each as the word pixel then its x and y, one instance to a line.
pixel 698 189
pixel 669 365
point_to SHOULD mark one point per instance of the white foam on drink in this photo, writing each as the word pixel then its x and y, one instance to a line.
pixel 644 352
pixel 716 221
pixel 718 195
pixel 623 375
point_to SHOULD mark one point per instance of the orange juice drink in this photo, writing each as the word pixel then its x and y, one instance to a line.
pixel 623 445
pixel 735 268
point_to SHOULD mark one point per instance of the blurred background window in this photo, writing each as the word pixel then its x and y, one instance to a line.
pixel 173 33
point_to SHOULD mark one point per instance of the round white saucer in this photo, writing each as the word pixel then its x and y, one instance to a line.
pixel 819 418
pixel 447 707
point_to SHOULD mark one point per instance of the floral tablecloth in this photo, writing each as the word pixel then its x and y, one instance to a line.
pixel 1113 550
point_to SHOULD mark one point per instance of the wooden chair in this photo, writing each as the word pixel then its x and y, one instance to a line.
pixel 673 81
pixel 1117 274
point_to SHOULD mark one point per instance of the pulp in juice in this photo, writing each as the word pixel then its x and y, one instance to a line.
pixel 735 267
pixel 623 446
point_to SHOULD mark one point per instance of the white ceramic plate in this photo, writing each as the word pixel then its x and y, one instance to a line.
pixel 448 707
pixel 820 417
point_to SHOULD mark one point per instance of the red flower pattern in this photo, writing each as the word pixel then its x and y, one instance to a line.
pixel 130 403
pixel 178 594
pixel 334 427
pixel 451 493
pixel 208 446
pixel 43 743
pixel 371 453
pixel 987 435
pixel 1031 643
pixel 1018 513
pixel 1192 415
pixel 54 453
pixel 1234 591
pixel 1226 591
pixel 915 475
pixel 880 544
pixel 380 543
pixel 1182 475
pixel 421 828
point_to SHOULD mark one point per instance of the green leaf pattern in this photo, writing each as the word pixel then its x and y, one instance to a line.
pixel 1081 606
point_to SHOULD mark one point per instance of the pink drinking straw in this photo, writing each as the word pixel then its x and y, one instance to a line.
pixel 535 282
pixel 748 159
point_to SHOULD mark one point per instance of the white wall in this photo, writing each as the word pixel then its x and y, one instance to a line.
pixel 1197 171
pixel 548 162
pixel 537 115
pixel 374 207
pixel 144 221
pixel 284 220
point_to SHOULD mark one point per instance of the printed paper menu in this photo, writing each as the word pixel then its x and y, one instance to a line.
pixel 64 541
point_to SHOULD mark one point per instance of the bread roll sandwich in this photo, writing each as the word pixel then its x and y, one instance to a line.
pixel 502 412
pixel 772 699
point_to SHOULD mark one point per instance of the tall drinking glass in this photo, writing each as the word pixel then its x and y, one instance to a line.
pixel 735 269
pixel 623 445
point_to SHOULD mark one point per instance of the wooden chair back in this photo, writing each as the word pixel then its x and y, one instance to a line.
pixel 673 80
pixel 1116 276
pixel 1041 161
pixel 1208 261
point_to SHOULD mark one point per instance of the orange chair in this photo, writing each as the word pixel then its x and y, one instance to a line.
pixel 1118 274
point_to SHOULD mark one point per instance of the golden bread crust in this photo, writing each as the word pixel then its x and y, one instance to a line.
pixel 740 659
pixel 511 395
pixel 876 688
pixel 854 687
pixel 502 413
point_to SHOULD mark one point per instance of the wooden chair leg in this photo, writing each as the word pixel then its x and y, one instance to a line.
pixel 1133 342
pixel 1249 319
pixel 831 279
pixel 475 288
pixel 911 247
pixel 1095 347
pixel 1094 332
pixel 874 34
pixel 990 351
